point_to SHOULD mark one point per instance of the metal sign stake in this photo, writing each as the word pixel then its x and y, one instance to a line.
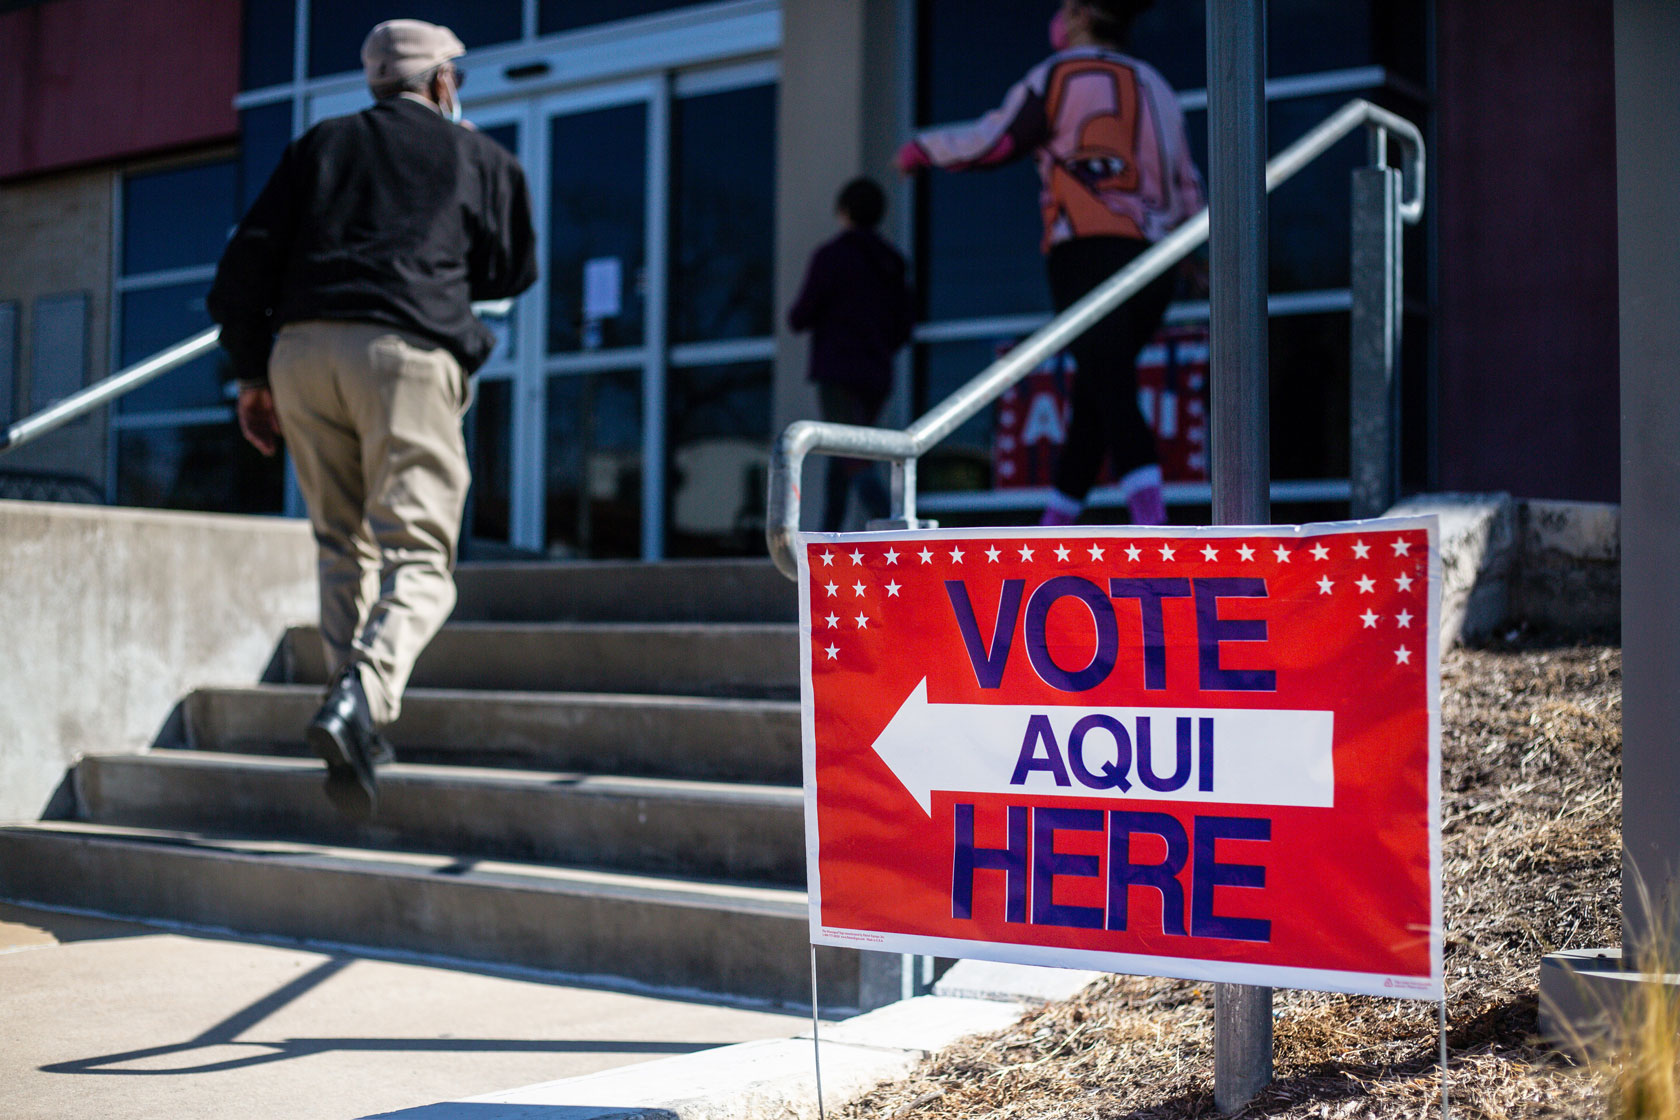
pixel 1240 428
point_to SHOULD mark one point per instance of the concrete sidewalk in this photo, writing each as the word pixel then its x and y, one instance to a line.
pixel 104 1018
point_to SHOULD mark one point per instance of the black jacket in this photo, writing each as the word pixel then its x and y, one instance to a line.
pixel 856 305
pixel 391 215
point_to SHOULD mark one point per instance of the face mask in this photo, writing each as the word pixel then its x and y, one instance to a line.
pixel 454 111
pixel 1058 32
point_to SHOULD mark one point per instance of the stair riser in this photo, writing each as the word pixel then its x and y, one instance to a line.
pixel 670 591
pixel 733 837
pixel 754 662
pixel 635 737
pixel 742 955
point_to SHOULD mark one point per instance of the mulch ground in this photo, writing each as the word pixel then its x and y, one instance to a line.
pixel 1531 811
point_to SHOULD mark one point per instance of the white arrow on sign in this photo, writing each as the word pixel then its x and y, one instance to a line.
pixel 1260 756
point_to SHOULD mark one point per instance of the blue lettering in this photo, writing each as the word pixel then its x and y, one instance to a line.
pixel 1113 773
pixel 1123 874
pixel 1102 614
pixel 988 664
pixel 1149 593
pixel 1039 731
pixel 1181 765
pixel 1205 874
pixel 1211 630
pixel 1047 863
pixel 968 859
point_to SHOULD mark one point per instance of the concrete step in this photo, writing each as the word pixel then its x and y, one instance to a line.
pixel 700 829
pixel 701 738
pixel 626 591
pixel 729 940
pixel 758 660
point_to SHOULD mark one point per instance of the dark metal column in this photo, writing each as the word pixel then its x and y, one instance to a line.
pixel 1241 413
pixel 1648 221
pixel 1373 387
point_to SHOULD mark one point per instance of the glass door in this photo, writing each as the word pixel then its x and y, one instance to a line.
pixel 604 171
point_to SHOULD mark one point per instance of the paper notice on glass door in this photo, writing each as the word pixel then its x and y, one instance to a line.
pixel 603 283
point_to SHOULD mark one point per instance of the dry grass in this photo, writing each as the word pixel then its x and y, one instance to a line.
pixel 1531 785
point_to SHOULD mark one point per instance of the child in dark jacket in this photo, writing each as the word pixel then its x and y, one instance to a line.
pixel 856 304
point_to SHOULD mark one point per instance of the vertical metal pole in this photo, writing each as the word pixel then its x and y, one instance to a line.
pixel 1373 387
pixel 1241 414
pixel 1648 220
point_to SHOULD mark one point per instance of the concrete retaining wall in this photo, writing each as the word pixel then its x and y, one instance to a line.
pixel 109 617
pixel 1552 565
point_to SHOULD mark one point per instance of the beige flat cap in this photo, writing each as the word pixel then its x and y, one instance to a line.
pixel 398 49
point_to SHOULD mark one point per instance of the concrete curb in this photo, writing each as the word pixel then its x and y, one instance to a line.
pixel 775 1078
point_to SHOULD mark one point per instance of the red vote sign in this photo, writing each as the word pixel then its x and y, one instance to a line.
pixel 1211 753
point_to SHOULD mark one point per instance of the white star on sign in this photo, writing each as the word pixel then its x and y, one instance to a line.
pixel 892 589
pixel 1096 553
pixel 1210 553
pixel 1369 618
pixel 1325 585
pixel 892 555
pixel 1366 585
pixel 833 652
pixel 833 589
pixel 992 554
pixel 1402 656
pixel 1404 583
pixel 863 623
pixel 1282 554
pixel 1246 552
pixel 1026 553
pixel 1061 552
pixel 1167 552
pixel 833 620
pixel 1320 552
pixel 956 556
pixel 1361 550
pixel 859 588
pixel 1133 552
pixel 927 555
pixel 1401 547
pixel 1404 618
pixel 828 558
pixel 857 558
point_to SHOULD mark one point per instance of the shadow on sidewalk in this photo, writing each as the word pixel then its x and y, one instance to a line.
pixel 226 1034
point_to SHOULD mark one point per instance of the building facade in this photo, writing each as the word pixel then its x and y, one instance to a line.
pixel 684 159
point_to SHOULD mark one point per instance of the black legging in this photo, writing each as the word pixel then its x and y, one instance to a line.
pixel 1105 409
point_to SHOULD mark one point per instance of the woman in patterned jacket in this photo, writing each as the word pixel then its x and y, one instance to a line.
pixel 1107 135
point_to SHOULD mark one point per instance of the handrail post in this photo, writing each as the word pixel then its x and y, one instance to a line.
pixel 1240 409
pixel 1374 341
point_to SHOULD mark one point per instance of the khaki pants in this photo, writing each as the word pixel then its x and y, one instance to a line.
pixel 372 418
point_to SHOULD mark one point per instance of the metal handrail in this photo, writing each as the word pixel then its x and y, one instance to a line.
pixel 903 448
pixel 104 392
pixel 142 373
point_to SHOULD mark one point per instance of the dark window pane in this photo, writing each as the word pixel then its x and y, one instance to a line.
pixel 963 460
pixel 489 432
pixel 337 27
pixel 507 135
pixel 1309 396
pixel 264 133
pixel 724 186
pixel 594 483
pixel 205 467
pixel 269 32
pixel 564 15
pixel 980 249
pixel 597 206
pixel 178 218
pixel 155 318
pixel 719 453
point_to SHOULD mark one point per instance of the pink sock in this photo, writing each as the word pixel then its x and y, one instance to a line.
pixel 1147 506
pixel 1060 509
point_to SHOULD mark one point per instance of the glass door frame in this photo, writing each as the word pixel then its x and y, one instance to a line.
pixel 530 489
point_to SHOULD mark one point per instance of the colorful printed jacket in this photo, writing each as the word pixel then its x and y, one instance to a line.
pixel 1108 137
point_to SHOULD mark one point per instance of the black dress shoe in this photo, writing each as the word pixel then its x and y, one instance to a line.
pixel 342 733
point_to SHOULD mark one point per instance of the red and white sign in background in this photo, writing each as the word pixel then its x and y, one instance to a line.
pixel 1211 753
